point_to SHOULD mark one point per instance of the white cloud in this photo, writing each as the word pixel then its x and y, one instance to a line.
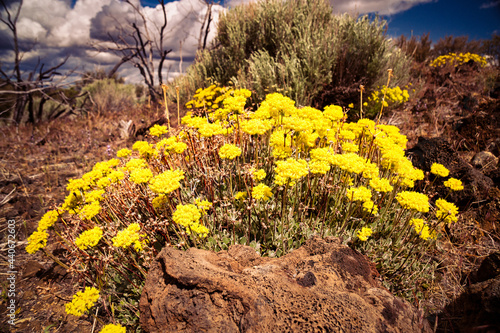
pixel 382 7
pixel 52 29
pixel 490 4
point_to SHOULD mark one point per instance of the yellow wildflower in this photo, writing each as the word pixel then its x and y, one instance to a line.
pixel 413 200
pixel 364 233
pixel 454 184
pixel 439 170
pixel 167 181
pixel 36 241
pixel 370 207
pixel 360 193
pixel 158 130
pixel 381 185
pixel 333 113
pixel 48 220
pixel 240 195
pixel 82 301
pixel 203 205
pixel 127 237
pixel 159 202
pixel 136 163
pixel 112 328
pixel 89 211
pixel 447 211
pixel 229 151
pixel 422 229
pixel 255 126
pixel 95 195
pixel 290 170
pixel 89 238
pixel 140 176
pixel 319 166
pixel 189 216
pixel 258 175
pixel 123 152
pixel 262 192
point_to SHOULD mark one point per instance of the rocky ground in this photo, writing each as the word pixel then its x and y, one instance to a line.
pixel 35 164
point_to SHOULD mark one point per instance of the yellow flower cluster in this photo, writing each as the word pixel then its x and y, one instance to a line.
pixel 210 97
pixel 240 195
pixel 158 130
pixel 381 185
pixel 393 96
pixel 145 149
pixel 140 176
pixel 123 152
pixel 172 144
pixel 256 126
pixel 135 163
pixel 189 216
pixel 89 238
pixel 275 106
pixel 95 195
pixel 166 182
pixel 258 175
pixel 37 241
pixel 48 220
pixel 454 184
pixel 458 59
pixel 159 202
pixel 422 229
pixel 90 179
pixel 439 170
pixel 413 200
pixel 359 194
pixel 203 205
pixel 262 192
pixel 112 328
pixel 333 113
pixel 229 151
pixel 290 170
pixel 82 301
pixel 364 233
pixel 128 236
pixel 89 211
pixel 447 211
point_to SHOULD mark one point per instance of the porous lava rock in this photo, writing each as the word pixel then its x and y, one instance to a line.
pixel 323 286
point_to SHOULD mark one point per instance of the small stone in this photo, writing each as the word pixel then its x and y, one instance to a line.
pixel 32 268
pixel 485 161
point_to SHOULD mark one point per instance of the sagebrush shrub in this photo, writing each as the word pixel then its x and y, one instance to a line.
pixel 300 47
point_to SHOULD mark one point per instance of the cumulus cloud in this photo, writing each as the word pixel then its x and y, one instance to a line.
pixel 50 30
pixel 382 7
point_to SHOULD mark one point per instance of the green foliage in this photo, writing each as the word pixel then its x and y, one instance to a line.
pixel 300 47
pixel 107 95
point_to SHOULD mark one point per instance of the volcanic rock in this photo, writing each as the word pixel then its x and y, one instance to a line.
pixel 323 286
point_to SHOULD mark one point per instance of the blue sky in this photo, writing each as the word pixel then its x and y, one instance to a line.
pixel 448 17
